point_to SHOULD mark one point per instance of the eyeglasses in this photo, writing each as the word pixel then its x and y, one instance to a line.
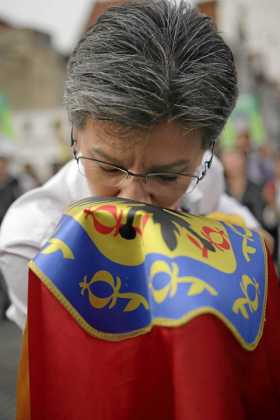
pixel 108 174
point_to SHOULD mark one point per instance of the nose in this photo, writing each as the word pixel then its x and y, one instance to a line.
pixel 136 190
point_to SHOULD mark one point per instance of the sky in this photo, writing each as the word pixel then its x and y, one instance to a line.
pixel 63 19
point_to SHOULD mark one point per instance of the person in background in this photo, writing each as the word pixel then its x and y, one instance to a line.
pixel 271 212
pixel 259 159
pixel 29 178
pixel 239 186
pixel 243 141
pixel 259 170
pixel 10 190
pixel 265 164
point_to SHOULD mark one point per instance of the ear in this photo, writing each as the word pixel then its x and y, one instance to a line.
pixel 211 148
pixel 73 143
pixel 72 138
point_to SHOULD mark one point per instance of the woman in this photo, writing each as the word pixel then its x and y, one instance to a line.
pixel 148 91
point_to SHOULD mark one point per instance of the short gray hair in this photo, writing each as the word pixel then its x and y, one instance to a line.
pixel 144 62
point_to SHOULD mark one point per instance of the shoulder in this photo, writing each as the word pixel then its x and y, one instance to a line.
pixel 229 205
pixel 29 218
pixel 33 217
pixel 201 201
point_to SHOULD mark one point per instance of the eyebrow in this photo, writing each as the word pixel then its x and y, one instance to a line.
pixel 108 159
pixel 177 166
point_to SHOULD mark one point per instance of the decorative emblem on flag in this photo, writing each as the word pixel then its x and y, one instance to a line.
pixel 120 267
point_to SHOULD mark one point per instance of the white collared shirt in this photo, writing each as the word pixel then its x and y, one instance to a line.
pixel 30 221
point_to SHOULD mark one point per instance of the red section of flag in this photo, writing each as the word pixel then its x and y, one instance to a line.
pixel 194 372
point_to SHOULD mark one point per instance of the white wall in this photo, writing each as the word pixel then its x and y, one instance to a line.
pixel 262 25
pixel 37 140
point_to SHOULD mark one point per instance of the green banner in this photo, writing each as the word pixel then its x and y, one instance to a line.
pixel 246 114
pixel 6 127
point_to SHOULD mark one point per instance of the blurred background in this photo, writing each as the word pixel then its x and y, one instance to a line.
pixel 36 39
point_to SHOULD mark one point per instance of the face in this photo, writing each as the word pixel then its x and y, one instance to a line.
pixel 165 149
pixel 234 164
pixel 243 142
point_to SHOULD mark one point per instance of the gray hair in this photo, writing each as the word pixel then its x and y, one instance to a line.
pixel 144 62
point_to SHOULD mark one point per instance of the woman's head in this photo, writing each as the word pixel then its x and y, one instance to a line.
pixel 151 64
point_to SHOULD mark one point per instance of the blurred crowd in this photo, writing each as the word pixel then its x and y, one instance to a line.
pixel 252 175
pixel 14 181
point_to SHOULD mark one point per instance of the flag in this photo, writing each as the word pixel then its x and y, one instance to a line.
pixel 137 312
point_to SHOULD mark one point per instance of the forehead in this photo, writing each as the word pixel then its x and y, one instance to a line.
pixel 162 141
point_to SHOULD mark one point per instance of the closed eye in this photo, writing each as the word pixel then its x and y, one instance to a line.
pixel 110 169
pixel 165 177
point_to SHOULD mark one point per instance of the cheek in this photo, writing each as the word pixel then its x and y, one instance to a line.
pixel 97 185
pixel 101 190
